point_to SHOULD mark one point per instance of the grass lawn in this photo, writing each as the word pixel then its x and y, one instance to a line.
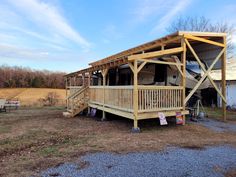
pixel 33 139
pixel 216 113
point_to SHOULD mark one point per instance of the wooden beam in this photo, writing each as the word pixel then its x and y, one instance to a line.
pixel 153 115
pixel 104 72
pixel 223 80
pixel 194 33
pixel 203 40
pixel 161 62
pixel 113 111
pixel 131 66
pixel 194 54
pixel 206 74
pixel 155 54
pixel 141 66
pixel 203 68
pixel 180 71
pixel 154 87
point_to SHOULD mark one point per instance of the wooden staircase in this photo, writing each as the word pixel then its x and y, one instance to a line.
pixel 78 101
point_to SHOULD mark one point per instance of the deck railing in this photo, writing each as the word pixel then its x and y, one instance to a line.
pixel 73 89
pixel 118 97
pixel 150 98
pixel 159 98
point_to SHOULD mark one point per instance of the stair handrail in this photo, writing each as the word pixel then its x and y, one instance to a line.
pixel 77 92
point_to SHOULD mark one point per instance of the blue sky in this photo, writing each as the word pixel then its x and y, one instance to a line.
pixel 65 35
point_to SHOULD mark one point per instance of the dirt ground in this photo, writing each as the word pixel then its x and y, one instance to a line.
pixel 33 139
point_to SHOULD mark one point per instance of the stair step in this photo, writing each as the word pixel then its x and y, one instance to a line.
pixel 69 110
pixel 79 101
pixel 67 114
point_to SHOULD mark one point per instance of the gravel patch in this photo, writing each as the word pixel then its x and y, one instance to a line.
pixel 211 161
pixel 217 125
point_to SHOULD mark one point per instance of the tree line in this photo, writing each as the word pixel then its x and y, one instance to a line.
pixel 21 77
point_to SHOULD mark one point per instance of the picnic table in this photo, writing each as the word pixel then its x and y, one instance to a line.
pixel 2 105
pixel 8 105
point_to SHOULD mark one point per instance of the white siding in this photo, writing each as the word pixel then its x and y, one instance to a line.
pixel 230 94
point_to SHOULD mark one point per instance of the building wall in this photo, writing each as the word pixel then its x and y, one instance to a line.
pixel 230 94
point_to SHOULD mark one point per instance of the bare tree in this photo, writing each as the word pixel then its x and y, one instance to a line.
pixel 205 25
pixel 25 77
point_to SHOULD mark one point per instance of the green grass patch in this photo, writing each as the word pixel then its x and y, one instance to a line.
pixel 216 113
pixel 50 151
pixel 5 129
pixel 29 140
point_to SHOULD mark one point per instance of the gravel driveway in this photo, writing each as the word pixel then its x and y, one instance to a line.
pixel 210 161
pixel 217 125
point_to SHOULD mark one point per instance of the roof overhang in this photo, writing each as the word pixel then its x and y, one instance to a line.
pixel 170 40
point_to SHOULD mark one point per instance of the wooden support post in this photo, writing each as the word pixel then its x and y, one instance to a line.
pixel 135 97
pixel 70 81
pixel 183 58
pixel 89 111
pixel 89 83
pixel 89 79
pixel 162 47
pixel 66 93
pixel 83 79
pixel 223 82
pixel 104 74
pixel 75 81
pixel 117 76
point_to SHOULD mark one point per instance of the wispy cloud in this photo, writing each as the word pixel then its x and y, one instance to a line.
pixel 39 58
pixel 110 32
pixel 37 32
pixel 176 8
pixel 48 18
pixel 158 12
pixel 146 9
pixel 11 51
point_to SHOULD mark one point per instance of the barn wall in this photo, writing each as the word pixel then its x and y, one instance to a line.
pixel 230 94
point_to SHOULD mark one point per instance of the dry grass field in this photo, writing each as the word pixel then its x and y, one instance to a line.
pixel 33 139
pixel 31 96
